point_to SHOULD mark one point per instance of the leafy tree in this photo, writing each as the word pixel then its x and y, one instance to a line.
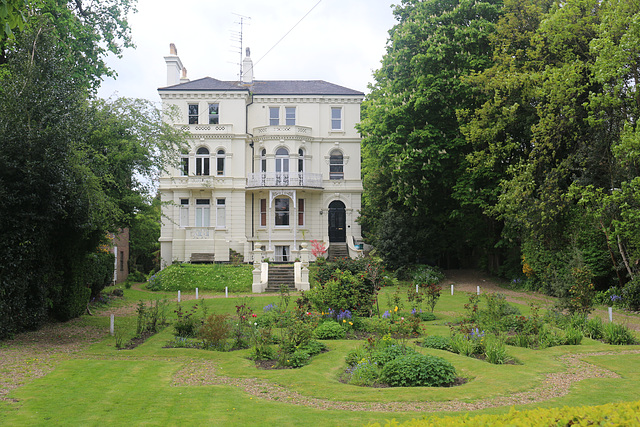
pixel 143 238
pixel 68 176
pixel 412 147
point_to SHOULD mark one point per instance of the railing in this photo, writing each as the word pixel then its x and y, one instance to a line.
pixel 279 179
pixel 206 128
pixel 282 130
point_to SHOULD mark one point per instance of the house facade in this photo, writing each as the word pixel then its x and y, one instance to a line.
pixel 272 164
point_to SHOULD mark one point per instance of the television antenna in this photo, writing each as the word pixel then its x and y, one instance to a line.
pixel 237 38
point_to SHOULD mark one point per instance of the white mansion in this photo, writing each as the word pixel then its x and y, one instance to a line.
pixel 272 164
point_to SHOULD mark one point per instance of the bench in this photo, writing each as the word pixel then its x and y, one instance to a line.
pixel 202 258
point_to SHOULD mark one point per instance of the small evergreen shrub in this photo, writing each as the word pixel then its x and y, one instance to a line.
pixel 418 370
pixel 314 347
pixel 329 331
pixel 296 359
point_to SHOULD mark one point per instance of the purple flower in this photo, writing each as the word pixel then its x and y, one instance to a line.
pixel 386 314
pixel 344 315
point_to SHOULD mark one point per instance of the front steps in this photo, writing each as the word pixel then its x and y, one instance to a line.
pixel 337 251
pixel 280 275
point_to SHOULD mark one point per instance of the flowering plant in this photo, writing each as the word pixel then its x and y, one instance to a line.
pixel 318 249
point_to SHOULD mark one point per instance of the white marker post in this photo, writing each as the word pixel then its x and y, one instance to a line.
pixel 478 290
pixel 226 292
pixel 416 289
pixel 610 314
pixel 112 326
pixel 196 293
pixel 451 290
pixel 178 296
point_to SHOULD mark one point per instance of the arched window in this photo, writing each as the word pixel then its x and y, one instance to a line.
pixel 336 165
pixel 220 156
pixel 202 161
pixel 263 160
pixel 301 160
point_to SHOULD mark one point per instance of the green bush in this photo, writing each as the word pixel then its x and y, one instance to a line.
pixel 437 342
pixel 329 330
pixel 354 356
pixel 572 336
pixel 345 291
pixel 296 359
pixel 594 328
pixel 616 334
pixel 214 331
pixel 496 351
pixel 374 325
pixel 384 355
pixel 314 347
pixel 631 294
pixel 418 370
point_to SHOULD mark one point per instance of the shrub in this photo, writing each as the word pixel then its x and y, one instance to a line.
pixel 364 373
pixel 384 355
pixel 594 328
pixel 314 347
pixel 616 334
pixel 415 370
pixel 187 324
pixel 581 293
pixel 214 331
pixel 329 330
pixel 631 294
pixel 438 342
pixel 572 336
pixel 345 291
pixel 496 351
pixel 375 325
pixel 296 359
pixel 354 356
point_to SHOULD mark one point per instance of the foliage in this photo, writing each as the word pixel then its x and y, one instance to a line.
pixel 214 331
pixel 211 277
pixel 187 324
pixel 344 291
pixel 151 318
pixel 611 413
pixel 582 293
pixel 317 249
pixel 436 341
pixel 262 342
pixel 363 373
pixel 413 152
pixel 616 334
pixel 418 370
pixel 144 233
pixel 631 294
pixel 329 330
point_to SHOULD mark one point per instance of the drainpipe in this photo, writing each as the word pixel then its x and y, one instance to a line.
pixel 246 130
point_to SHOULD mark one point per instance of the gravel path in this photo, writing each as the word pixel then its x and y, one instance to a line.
pixel 555 385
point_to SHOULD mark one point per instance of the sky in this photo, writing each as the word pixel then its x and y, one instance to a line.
pixel 339 41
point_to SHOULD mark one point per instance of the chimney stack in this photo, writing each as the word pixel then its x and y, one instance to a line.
pixel 247 69
pixel 174 66
pixel 184 78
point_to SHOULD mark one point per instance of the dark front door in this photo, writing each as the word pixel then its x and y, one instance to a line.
pixel 337 221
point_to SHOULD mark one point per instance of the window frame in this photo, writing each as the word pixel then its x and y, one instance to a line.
pixel 301 213
pixel 290 120
pixel 274 120
pixel 193 113
pixel 203 162
pixel 214 118
pixel 221 210
pixel 263 212
pixel 336 170
pixel 203 213
pixel 221 155
pixel 336 120
pixel 184 165
pixel 282 212
pixel 184 213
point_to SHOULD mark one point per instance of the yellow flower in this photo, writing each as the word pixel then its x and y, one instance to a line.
pixel 351 323
pixel 344 321
pixel 396 309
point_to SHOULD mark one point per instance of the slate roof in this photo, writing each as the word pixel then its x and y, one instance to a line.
pixel 267 87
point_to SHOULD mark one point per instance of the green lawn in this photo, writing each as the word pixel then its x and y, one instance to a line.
pixel 100 385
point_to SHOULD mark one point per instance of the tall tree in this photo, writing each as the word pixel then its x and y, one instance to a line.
pixel 412 147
